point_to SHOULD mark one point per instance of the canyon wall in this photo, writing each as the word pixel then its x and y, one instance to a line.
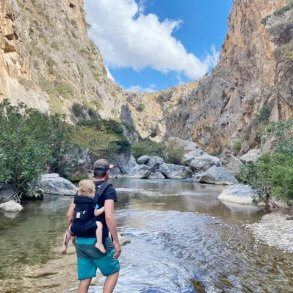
pixel 48 62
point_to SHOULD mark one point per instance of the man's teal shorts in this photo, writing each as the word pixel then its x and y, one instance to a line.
pixel 89 258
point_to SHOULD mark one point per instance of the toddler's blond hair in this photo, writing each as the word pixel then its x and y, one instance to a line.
pixel 86 188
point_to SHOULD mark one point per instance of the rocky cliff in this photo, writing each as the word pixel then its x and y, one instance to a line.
pixel 251 85
pixel 48 62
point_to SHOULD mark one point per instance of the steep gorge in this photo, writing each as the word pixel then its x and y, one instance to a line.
pixel 48 62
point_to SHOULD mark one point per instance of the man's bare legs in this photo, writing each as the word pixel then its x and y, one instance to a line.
pixel 110 283
pixel 83 286
pixel 99 231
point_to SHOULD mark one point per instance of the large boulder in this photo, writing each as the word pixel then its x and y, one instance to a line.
pixel 238 193
pixel 230 162
pixel 77 163
pixel 172 171
pixel 188 157
pixel 204 162
pixel 138 171
pixel 54 184
pixel 156 175
pixel 218 175
pixel 7 192
pixel 130 165
pixel 186 145
pixel 251 156
pixel 11 206
pixel 143 160
pixel 155 160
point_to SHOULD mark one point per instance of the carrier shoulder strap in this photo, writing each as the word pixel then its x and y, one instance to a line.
pixel 101 189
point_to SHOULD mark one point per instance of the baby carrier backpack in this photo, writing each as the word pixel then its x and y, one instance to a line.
pixel 84 220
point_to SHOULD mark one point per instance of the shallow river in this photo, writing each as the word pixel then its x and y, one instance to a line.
pixel 181 239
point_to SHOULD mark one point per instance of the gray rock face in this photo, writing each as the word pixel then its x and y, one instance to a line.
pixel 251 156
pixel 238 193
pixel 6 192
pixel 231 163
pixel 77 163
pixel 131 164
pixel 143 160
pixel 54 184
pixel 156 175
pixel 11 206
pixel 155 160
pixel 188 157
pixel 187 145
pixel 218 175
pixel 172 171
pixel 204 162
pixel 138 171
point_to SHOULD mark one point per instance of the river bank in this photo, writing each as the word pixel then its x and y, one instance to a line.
pixel 275 229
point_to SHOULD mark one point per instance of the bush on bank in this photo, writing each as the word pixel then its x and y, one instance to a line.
pixel 272 174
pixel 32 143
pixel 169 151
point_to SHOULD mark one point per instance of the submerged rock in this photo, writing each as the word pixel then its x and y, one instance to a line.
pixel 238 193
pixel 218 175
pixel 11 206
pixel 54 184
pixel 251 156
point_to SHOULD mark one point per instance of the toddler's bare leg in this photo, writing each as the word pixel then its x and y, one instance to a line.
pixel 67 238
pixel 99 232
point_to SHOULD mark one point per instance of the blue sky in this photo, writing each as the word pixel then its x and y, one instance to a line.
pixel 154 44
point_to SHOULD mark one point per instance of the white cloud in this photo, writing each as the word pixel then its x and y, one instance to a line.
pixel 138 88
pixel 109 74
pixel 127 37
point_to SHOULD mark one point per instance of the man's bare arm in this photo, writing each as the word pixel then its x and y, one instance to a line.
pixel 70 212
pixel 112 225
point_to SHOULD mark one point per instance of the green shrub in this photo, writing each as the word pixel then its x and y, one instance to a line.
pixel 79 110
pixel 173 153
pixel 100 143
pixel 113 126
pixel 148 147
pixel 93 123
pixel 30 142
pixel 140 107
pixel 58 88
pixel 270 176
pixel 264 114
pixel 237 145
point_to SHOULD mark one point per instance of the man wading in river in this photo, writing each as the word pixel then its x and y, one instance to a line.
pixel 88 257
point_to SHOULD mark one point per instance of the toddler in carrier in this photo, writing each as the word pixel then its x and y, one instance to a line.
pixel 84 223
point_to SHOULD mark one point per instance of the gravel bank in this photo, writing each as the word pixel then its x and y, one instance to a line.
pixel 274 230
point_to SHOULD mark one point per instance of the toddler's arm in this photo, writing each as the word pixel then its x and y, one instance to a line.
pixel 99 211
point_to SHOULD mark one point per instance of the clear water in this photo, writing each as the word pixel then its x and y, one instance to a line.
pixel 182 239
